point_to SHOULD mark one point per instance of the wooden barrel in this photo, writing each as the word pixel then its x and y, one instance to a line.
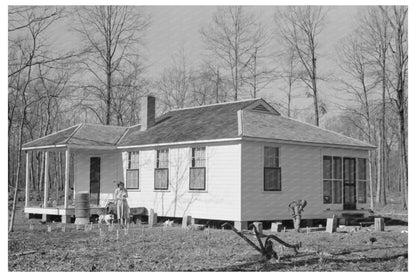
pixel 82 205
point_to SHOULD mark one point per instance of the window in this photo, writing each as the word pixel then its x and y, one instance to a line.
pixel 197 170
pixel 161 170
pixel 272 171
pixel 132 172
pixel 332 180
pixel 362 180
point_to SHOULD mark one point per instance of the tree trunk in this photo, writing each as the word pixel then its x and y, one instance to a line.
pixel 370 173
pixel 315 90
pixel 379 168
pixel 403 151
pixel 16 188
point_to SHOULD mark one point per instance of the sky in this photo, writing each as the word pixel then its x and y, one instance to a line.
pixel 178 27
pixel 175 27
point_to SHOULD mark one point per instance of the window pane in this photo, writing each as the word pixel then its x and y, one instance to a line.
pixel 349 170
pixel 198 157
pixel 327 192
pixel 132 177
pixel 133 160
pixel 162 158
pixel 197 178
pixel 362 169
pixel 337 168
pixel 337 189
pixel 161 178
pixel 271 157
pixel 362 192
pixel 327 167
pixel 272 179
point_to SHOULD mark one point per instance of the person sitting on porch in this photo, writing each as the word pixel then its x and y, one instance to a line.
pixel 120 196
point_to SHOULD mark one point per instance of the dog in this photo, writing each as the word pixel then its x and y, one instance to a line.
pixel 106 218
pixel 168 223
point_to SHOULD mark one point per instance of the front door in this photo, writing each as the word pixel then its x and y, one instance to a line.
pixel 95 168
pixel 349 184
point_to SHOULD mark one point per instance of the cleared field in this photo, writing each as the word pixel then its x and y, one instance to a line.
pixel 175 249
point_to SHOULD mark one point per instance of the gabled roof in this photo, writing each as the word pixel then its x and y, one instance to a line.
pixel 84 134
pixel 209 122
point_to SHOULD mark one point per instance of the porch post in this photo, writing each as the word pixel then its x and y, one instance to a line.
pixel 46 186
pixel 67 156
pixel 27 181
pixel 66 218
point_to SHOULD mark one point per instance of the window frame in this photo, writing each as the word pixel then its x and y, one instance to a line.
pixel 278 168
pixel 157 168
pixel 360 181
pixel 193 162
pixel 138 178
pixel 333 179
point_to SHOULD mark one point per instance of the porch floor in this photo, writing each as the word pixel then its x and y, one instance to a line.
pixel 59 210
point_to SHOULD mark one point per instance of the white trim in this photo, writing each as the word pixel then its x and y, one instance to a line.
pixel 240 122
pixel 44 147
pixel 74 132
pixel 281 141
pixel 123 135
pixel 166 144
pixel 216 104
pixel 247 138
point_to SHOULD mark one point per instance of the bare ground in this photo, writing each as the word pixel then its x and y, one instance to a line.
pixel 175 249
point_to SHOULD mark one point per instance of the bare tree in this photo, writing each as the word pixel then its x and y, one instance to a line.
pixel 378 36
pixel 232 39
pixel 397 18
pixel 299 27
pixel 174 85
pixel 359 84
pixel 27 34
pixel 111 36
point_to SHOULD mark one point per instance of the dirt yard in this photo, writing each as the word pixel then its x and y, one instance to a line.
pixel 176 249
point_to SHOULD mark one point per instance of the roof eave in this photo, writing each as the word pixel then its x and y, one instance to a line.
pixel 332 145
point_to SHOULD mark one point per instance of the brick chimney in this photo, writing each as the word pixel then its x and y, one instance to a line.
pixel 147 112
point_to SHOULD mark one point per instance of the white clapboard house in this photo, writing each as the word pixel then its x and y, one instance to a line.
pixel 237 161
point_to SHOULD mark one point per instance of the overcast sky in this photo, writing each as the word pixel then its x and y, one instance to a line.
pixel 176 27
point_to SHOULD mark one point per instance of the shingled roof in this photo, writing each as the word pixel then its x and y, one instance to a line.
pixel 220 121
pixel 191 124
pixel 84 134
pixel 212 122
pixel 270 126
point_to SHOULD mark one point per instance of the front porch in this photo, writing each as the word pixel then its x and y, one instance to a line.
pixel 66 167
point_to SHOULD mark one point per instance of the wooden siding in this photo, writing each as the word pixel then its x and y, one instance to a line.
pixel 301 179
pixel 111 172
pixel 221 200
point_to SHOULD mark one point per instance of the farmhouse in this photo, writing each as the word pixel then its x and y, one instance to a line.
pixel 238 161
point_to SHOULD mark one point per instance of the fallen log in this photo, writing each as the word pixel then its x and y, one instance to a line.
pixel 25 253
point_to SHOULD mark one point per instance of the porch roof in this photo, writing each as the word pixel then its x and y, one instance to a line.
pixel 84 135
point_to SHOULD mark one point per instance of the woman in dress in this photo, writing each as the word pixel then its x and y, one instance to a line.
pixel 120 196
